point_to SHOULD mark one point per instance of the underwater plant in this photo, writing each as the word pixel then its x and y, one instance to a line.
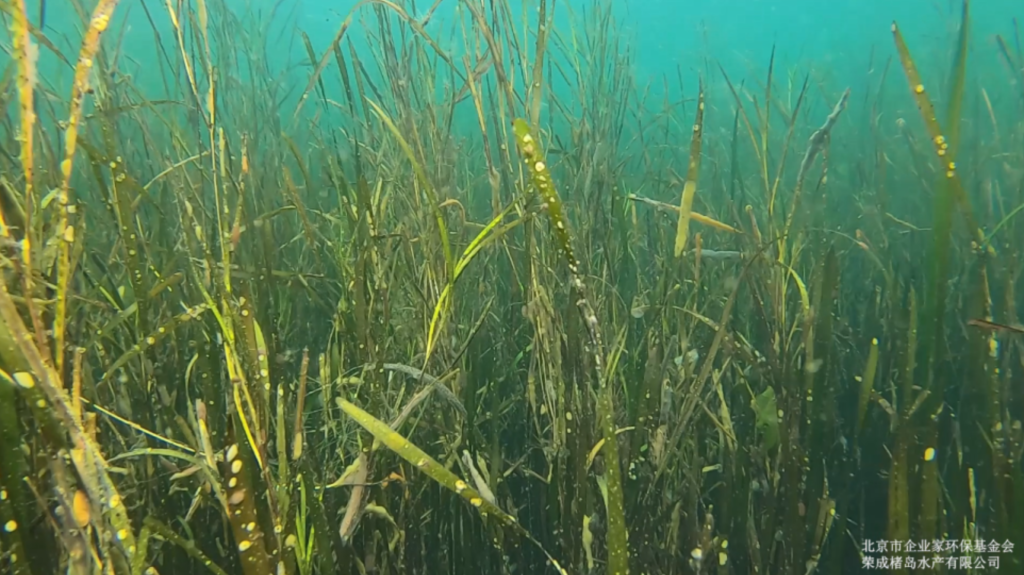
pixel 436 298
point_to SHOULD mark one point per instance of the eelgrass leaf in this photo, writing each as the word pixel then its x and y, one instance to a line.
pixel 428 465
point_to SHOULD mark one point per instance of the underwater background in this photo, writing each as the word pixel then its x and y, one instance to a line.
pixel 496 286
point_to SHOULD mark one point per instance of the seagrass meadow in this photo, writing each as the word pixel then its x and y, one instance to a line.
pixel 461 291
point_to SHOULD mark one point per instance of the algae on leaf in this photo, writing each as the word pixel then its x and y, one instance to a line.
pixel 766 413
pixel 692 171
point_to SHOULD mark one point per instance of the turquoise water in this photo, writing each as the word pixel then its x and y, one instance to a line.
pixel 846 41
